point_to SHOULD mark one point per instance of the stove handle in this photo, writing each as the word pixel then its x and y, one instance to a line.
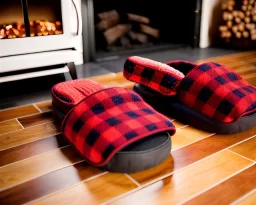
pixel 78 19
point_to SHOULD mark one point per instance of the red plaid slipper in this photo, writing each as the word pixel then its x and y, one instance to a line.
pixel 209 96
pixel 111 128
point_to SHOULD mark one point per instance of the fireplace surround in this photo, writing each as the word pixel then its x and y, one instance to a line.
pixel 37 34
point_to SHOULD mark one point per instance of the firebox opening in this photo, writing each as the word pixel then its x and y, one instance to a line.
pixel 132 24
pixel 44 18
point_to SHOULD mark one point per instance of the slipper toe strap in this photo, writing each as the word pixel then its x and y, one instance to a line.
pixel 110 119
pixel 155 75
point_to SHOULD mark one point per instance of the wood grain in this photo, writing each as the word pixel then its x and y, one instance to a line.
pixel 178 124
pixel 47 184
pixel 185 156
pixel 186 136
pixel 44 106
pixel 27 135
pixel 95 191
pixel 17 112
pixel 189 181
pixel 247 148
pixel 249 200
pixel 37 166
pixel 31 149
pixel 36 119
pixel 228 191
pixel 9 126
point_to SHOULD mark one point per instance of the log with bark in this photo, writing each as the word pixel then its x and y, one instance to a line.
pixel 115 27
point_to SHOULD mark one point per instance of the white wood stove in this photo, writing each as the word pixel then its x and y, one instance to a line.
pixel 39 38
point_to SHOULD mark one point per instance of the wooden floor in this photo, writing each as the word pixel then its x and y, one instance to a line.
pixel 37 166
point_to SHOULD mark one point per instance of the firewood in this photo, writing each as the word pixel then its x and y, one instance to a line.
pixel 2 34
pixel 253 32
pixel 249 8
pixel 125 42
pixel 228 34
pixel 225 16
pixel 223 28
pixel 114 33
pixel 230 16
pixel 237 20
pixel 229 24
pixel 244 8
pixel 105 24
pixel 235 13
pixel 250 26
pixel 254 18
pixel 109 15
pixel 140 37
pixel 150 31
pixel 235 29
pixel 241 15
pixel 251 2
pixel 231 2
pixel 223 35
pixel 253 37
pixel 247 13
pixel 138 18
pixel 224 6
pixel 241 27
pixel 230 8
pixel 246 34
pixel 238 34
pixel 247 20
pixel 245 2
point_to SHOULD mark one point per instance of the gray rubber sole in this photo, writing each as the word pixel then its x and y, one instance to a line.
pixel 172 107
pixel 138 156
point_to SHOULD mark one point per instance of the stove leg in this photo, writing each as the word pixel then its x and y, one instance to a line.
pixel 72 70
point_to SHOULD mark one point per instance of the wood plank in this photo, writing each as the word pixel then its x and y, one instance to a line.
pixel 178 124
pixel 9 126
pixel 231 57
pixel 252 81
pixel 31 149
pixel 234 188
pixel 17 112
pixel 39 165
pixel 186 136
pixel 95 191
pixel 245 69
pixel 249 200
pixel 47 184
pixel 28 135
pixel 185 156
pixel 189 181
pixel 36 119
pixel 247 148
pixel 44 106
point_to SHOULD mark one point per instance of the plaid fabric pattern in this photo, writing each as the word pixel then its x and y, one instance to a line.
pixel 217 92
pixel 158 76
pixel 109 120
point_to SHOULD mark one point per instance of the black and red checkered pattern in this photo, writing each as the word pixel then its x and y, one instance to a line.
pixel 110 119
pixel 217 92
pixel 214 90
pixel 158 76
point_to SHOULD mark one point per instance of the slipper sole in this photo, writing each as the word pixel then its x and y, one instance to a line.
pixel 138 156
pixel 172 107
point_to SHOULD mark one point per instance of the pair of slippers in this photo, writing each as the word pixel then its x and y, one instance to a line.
pixel 121 130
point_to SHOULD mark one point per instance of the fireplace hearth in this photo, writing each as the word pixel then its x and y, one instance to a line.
pixel 131 26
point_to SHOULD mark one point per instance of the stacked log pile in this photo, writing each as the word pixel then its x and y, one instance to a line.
pixel 239 20
pixel 125 29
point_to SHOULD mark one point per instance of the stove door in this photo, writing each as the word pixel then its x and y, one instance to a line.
pixel 52 26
